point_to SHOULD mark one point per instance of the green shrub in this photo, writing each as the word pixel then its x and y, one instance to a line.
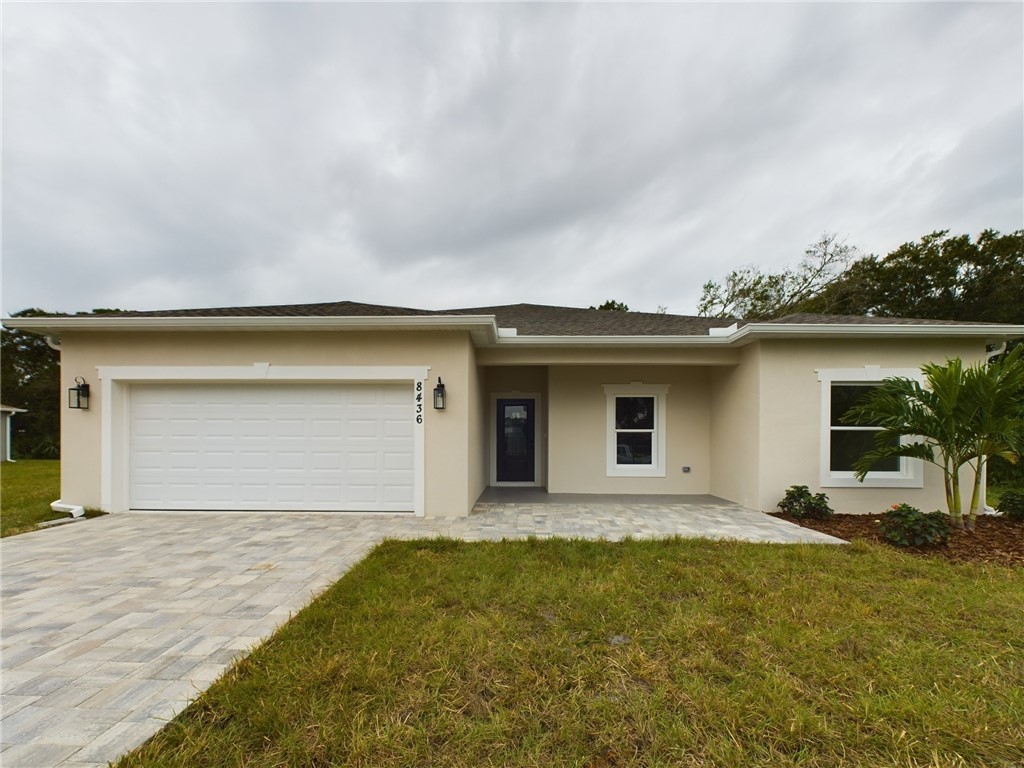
pixel 907 526
pixel 799 502
pixel 1011 505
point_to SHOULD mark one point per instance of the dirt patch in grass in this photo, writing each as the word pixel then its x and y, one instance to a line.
pixel 994 539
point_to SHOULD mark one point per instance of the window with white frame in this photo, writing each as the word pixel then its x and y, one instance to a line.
pixel 843 444
pixel 636 430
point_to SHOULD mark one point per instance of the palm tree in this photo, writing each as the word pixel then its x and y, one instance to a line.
pixel 962 416
pixel 996 394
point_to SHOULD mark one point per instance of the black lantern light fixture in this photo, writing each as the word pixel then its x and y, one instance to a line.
pixel 439 395
pixel 78 395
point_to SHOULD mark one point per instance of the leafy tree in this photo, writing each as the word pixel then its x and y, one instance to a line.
pixel 962 417
pixel 30 379
pixel 940 277
pixel 612 306
pixel 752 294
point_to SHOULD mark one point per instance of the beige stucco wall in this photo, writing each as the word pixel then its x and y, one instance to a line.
pixel 476 434
pixel 448 354
pixel 747 431
pixel 789 422
pixel 642 354
pixel 578 432
pixel 735 419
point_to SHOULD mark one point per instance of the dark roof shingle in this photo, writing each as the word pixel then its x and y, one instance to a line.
pixel 804 318
pixel 527 319
pixel 540 320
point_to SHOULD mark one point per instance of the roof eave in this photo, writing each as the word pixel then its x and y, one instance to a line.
pixel 610 341
pixel 989 332
pixel 483 327
pixel 485 331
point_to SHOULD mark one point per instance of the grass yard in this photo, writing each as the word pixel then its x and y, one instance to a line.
pixel 26 489
pixel 682 652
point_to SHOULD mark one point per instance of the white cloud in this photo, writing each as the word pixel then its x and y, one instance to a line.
pixel 444 155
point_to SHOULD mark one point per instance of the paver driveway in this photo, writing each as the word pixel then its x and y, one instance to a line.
pixel 110 626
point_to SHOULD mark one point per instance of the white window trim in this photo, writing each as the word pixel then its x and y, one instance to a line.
pixel 657 467
pixel 115 385
pixel 911 474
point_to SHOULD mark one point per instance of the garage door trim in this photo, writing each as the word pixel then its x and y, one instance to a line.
pixel 115 387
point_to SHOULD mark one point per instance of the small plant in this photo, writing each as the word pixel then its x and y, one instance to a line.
pixel 1011 505
pixel 800 502
pixel 907 526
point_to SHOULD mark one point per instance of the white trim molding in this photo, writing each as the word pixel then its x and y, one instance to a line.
pixel 115 388
pixel 911 472
pixel 657 466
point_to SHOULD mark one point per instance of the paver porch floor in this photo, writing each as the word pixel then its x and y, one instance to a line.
pixel 110 626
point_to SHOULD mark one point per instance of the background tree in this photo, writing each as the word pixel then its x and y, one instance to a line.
pixel 30 379
pixel 939 277
pixel 612 306
pixel 752 294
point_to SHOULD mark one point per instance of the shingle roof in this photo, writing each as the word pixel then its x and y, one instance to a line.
pixel 811 319
pixel 540 320
pixel 527 319
pixel 326 309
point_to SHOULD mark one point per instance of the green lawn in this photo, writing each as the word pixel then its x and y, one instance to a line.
pixel 26 489
pixel 684 652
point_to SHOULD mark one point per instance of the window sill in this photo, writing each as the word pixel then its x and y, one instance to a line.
pixel 637 472
pixel 839 481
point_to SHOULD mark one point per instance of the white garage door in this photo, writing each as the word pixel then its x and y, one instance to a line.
pixel 272 447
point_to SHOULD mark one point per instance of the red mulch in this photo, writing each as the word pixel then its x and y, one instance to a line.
pixel 994 540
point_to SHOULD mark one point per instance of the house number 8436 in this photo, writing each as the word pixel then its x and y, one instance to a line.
pixel 419 402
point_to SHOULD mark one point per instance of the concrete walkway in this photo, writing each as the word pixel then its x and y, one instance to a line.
pixel 111 626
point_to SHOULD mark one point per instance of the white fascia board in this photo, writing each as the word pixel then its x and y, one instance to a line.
pixel 989 332
pixel 755 332
pixel 57 325
pixel 611 341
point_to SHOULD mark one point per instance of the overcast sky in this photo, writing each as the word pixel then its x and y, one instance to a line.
pixel 184 155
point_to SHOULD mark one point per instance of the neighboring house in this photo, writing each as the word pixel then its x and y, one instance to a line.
pixel 6 412
pixel 330 406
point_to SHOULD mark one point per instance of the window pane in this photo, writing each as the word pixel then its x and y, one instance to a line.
pixel 634 413
pixel 634 448
pixel 845 396
pixel 848 446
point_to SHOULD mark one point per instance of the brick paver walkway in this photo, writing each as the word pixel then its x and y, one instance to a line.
pixel 110 626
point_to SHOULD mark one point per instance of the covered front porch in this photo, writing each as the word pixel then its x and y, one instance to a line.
pixel 583 428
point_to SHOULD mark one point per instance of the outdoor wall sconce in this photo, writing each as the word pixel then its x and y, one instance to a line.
pixel 78 395
pixel 439 395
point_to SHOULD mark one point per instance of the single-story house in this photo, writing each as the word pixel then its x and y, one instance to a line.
pixel 6 412
pixel 337 406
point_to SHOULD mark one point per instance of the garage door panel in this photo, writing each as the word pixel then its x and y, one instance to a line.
pixel 399 429
pixel 287 446
pixel 397 494
pixel 369 462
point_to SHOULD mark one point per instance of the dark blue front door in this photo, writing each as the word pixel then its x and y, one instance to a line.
pixel 515 431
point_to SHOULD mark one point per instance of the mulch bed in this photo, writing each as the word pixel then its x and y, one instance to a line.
pixel 994 540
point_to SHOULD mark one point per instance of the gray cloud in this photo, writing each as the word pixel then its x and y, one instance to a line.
pixel 430 155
